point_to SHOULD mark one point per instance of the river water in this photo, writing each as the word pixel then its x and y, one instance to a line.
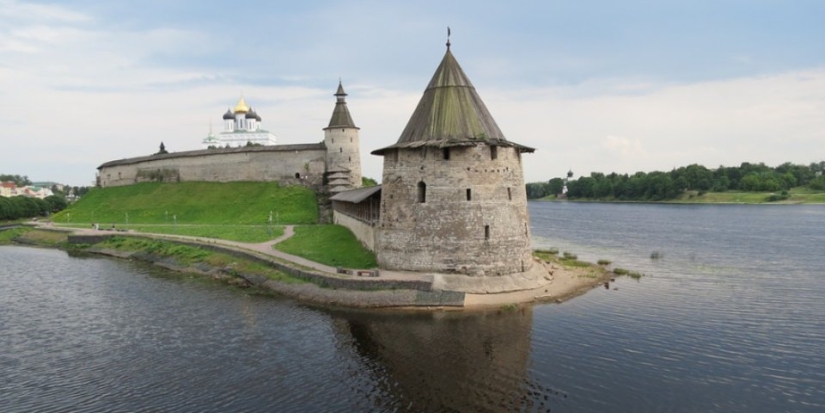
pixel 730 318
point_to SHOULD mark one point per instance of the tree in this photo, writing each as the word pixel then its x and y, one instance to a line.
pixel 366 181
pixel 818 183
pixel 17 179
pixel 536 190
pixel 55 203
pixel 555 186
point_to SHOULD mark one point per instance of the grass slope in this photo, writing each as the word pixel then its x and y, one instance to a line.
pixel 194 203
pixel 332 245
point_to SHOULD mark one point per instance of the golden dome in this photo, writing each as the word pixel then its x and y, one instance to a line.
pixel 241 107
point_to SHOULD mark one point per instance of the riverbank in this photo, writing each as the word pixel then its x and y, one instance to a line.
pixel 248 265
pixel 795 196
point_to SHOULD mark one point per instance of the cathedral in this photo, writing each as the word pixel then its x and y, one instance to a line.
pixel 241 127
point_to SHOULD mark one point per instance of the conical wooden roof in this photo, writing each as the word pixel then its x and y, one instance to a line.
pixel 340 115
pixel 451 113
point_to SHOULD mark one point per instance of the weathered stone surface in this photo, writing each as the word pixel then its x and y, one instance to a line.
pixel 303 166
pixel 473 219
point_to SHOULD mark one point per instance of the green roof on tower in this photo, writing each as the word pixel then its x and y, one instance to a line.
pixel 450 113
pixel 340 115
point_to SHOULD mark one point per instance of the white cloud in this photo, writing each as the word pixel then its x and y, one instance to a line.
pixel 771 119
pixel 15 10
pixel 624 146
pixel 73 95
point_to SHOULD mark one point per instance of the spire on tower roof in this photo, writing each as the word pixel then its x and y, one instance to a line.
pixel 340 115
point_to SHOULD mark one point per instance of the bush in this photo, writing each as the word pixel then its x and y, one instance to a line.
pixel 569 256
pixel 778 197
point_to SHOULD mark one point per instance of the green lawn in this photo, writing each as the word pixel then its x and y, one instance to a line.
pixel 7 235
pixel 194 203
pixel 729 197
pixel 332 245
pixel 35 236
pixel 798 195
pixel 188 255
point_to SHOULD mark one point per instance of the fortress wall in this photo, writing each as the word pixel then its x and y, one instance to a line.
pixel 362 230
pixel 226 166
pixel 446 233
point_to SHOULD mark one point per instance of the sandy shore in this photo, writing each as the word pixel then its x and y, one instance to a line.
pixel 565 283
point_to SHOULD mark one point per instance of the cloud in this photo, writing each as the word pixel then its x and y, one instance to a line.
pixel 78 89
pixel 771 119
pixel 624 146
pixel 15 10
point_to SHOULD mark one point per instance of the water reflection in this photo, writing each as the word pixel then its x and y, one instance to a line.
pixel 447 361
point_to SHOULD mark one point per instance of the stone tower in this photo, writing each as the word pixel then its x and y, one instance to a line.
pixel 453 198
pixel 343 149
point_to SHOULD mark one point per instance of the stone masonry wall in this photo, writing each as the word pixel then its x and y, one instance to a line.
pixel 487 234
pixel 302 167
pixel 344 151
pixel 362 230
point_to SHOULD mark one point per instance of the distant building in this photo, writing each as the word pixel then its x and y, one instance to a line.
pixel 30 191
pixel 8 189
pixel 242 126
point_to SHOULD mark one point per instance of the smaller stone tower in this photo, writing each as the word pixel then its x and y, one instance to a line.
pixel 343 149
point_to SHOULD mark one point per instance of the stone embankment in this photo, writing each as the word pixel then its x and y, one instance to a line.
pixel 373 289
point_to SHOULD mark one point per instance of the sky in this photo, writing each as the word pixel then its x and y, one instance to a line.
pixel 594 86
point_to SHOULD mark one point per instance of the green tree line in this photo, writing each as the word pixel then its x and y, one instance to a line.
pixel 18 207
pixel 657 186
pixel 17 179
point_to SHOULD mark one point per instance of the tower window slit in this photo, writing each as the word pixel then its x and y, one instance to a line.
pixel 469 194
pixel 422 192
pixel 509 194
pixel 486 232
pixel 446 152
pixel 493 152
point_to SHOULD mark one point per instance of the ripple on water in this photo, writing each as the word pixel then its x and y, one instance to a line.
pixel 729 320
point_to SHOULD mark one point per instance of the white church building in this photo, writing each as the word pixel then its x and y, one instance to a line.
pixel 241 126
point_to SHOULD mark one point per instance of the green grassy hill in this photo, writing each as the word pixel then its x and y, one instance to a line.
pixel 194 203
